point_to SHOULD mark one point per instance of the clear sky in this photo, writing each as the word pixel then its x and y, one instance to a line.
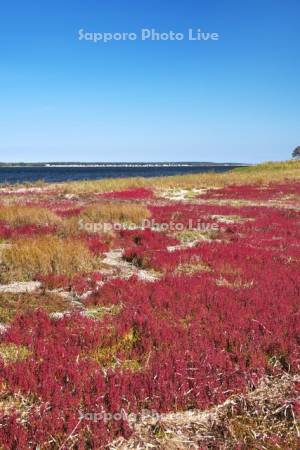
pixel 65 99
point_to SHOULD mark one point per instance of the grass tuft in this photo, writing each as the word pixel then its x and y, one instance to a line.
pixel 19 303
pixel 19 215
pixel 45 255
pixel 116 212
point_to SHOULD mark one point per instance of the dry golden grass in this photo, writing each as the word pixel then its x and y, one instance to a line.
pixel 192 268
pixel 69 227
pixel 116 212
pixel 12 304
pixel 45 255
pixel 291 164
pixel 18 215
pixel 105 185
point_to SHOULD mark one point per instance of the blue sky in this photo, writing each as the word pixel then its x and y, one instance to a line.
pixel 236 99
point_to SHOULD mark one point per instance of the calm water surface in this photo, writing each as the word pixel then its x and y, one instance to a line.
pixel 57 174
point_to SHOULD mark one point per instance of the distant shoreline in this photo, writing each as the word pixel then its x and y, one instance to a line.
pixel 123 164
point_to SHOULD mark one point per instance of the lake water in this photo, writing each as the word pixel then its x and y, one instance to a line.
pixel 59 174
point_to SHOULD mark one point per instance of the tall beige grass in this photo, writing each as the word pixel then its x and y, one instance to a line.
pixel 17 215
pixel 116 212
pixel 45 255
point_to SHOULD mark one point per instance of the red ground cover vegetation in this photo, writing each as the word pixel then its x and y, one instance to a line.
pixel 79 283
pixel 8 232
pixel 129 194
pixel 185 341
pixel 141 245
pixel 255 192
